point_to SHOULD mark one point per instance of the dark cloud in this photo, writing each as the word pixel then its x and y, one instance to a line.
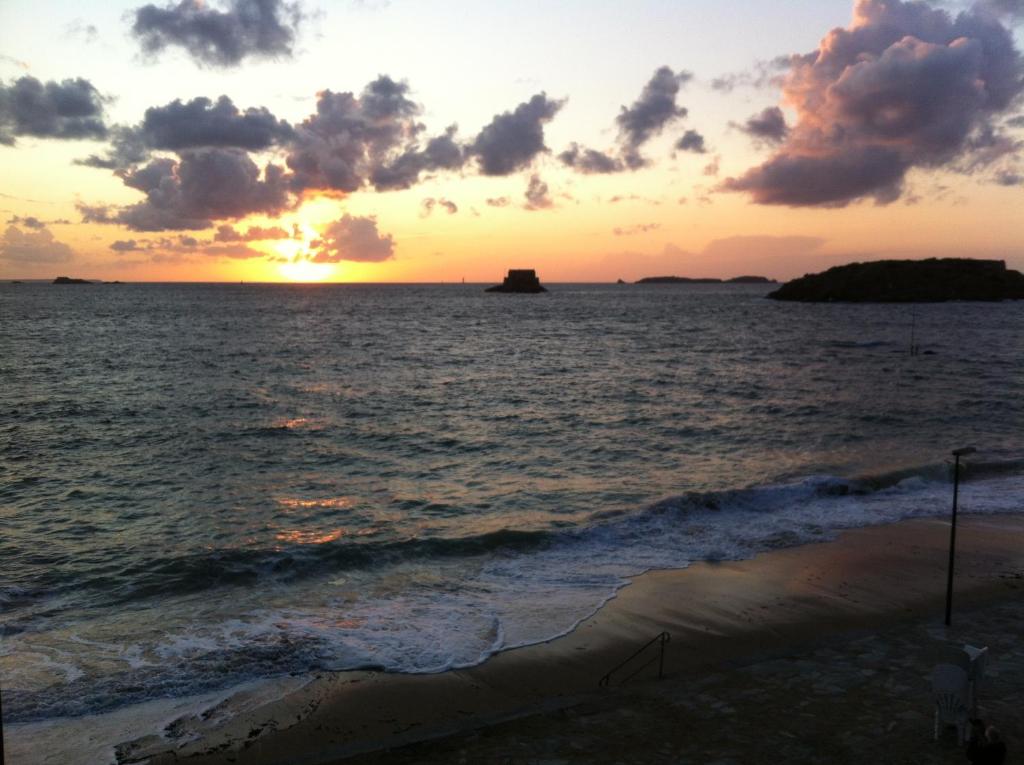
pixel 441 152
pixel 33 247
pixel 768 125
pixel 498 201
pixel 427 206
pixel 127 148
pixel 637 124
pixel 1016 122
pixel 589 161
pixel 245 29
pixel 29 221
pixel 125 245
pixel 373 137
pixel 1009 178
pixel 650 113
pixel 691 141
pixel 640 228
pixel 201 122
pixel 195 124
pixel 201 187
pixel 537 194
pixel 905 85
pixel 355 239
pixel 513 139
pixel 226 233
pixel 96 213
pixel 795 179
pixel 71 109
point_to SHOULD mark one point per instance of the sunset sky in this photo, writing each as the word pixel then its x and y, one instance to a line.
pixel 404 141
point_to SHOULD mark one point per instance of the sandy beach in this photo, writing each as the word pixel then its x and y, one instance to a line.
pixel 816 649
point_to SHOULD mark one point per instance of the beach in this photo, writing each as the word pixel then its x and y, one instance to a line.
pixel 825 645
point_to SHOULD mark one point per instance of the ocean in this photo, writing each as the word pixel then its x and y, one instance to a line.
pixel 205 485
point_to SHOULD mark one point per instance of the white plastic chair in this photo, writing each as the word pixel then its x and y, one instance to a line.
pixel 978 661
pixel 950 688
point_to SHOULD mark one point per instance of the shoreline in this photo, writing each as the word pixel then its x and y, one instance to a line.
pixel 720 615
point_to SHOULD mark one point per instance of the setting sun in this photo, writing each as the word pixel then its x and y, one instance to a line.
pixel 305 271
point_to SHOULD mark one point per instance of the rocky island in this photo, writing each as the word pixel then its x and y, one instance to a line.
pixel 519 280
pixel 934 280
pixel 689 280
pixel 69 280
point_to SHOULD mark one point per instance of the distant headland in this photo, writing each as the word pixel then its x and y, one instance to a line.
pixel 689 280
pixel 69 280
pixel 934 280
pixel 519 280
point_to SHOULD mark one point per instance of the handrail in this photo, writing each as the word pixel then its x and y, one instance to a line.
pixel 661 638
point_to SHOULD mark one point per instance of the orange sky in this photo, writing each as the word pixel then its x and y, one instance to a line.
pixel 672 214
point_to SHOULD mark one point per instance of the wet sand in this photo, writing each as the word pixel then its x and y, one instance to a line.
pixel 884 585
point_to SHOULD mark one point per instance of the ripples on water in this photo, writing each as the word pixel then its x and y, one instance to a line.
pixel 205 483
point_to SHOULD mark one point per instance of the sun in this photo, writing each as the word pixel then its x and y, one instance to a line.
pixel 305 271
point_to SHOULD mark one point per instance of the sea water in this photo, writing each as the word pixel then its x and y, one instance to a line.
pixel 206 485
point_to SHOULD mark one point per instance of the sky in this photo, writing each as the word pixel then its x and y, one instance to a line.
pixel 413 141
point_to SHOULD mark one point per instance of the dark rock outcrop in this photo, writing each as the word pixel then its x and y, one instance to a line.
pixel 908 281
pixel 519 280
pixel 69 280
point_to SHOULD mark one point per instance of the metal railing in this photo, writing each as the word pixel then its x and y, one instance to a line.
pixel 661 639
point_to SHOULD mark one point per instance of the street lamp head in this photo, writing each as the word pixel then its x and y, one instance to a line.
pixel 964 451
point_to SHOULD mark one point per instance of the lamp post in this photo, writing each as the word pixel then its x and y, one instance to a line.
pixel 957 454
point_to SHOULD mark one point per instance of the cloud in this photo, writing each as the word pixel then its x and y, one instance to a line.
pixel 639 228
pixel 29 221
pixel 354 239
pixel 513 139
pixel 1012 10
pixel 172 249
pixel 442 152
pixel 691 141
pixel 763 74
pixel 712 167
pixel 201 187
pixel 195 124
pixel 768 125
pixel 78 28
pixel 201 122
pixel 33 247
pixel 127 148
pixel 537 196
pixel 637 124
pixel 498 201
pixel 71 109
pixel 226 233
pixel 590 161
pixel 1009 178
pixel 374 137
pixel 906 85
pixel 428 205
pixel 650 113
pixel 246 29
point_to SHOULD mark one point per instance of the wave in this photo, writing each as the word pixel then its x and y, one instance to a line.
pixel 179 574
pixel 436 604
